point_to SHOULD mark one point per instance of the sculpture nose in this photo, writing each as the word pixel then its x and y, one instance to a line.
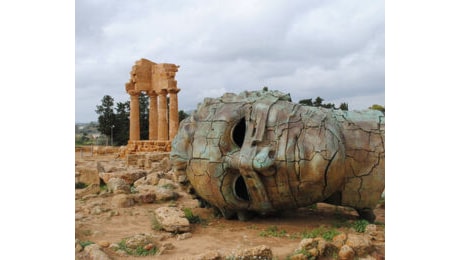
pixel 263 161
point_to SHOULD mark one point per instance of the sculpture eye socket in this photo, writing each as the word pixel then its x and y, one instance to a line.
pixel 238 132
pixel 241 191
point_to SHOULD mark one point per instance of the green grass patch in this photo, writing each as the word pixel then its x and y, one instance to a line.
pixel 360 225
pixel 327 234
pixel 193 219
pixel 85 243
pixel 273 231
pixel 139 251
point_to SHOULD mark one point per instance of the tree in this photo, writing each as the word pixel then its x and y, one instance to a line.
pixel 378 107
pixel 318 102
pixel 144 115
pixel 121 129
pixel 306 102
pixel 182 115
pixel 106 117
pixel 344 106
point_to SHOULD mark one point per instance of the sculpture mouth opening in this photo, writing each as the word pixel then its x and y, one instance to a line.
pixel 241 191
pixel 239 131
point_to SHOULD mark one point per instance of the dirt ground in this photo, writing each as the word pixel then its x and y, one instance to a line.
pixel 214 233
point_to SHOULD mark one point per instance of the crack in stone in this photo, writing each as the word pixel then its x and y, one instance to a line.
pixel 326 171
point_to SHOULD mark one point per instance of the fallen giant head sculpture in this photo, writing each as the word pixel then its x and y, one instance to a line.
pixel 258 152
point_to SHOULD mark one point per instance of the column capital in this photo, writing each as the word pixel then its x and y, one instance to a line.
pixel 134 92
pixel 173 90
pixel 152 93
pixel 163 92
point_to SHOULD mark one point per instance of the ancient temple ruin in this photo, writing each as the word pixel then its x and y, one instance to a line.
pixel 157 81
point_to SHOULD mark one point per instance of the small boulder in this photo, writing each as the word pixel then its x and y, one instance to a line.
pixel 346 253
pixel 122 201
pixel 172 219
pixel 118 186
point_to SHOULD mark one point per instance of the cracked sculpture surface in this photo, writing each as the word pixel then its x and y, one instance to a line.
pixel 258 152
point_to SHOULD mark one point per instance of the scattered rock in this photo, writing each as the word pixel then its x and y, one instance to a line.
pixel 91 189
pixel 88 175
pixel 184 236
pixel 95 252
pixel 210 255
pixel 78 247
pixel 172 219
pixel 346 253
pixel 122 201
pixel 258 252
pixel 165 193
pixel 142 240
pixel 150 179
pixel 360 244
pixel 129 175
pixel 103 243
pixel 118 186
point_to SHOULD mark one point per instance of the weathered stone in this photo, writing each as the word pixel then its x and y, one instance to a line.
pixel 87 175
pixel 184 236
pixel 145 197
pixel 346 253
pixel 210 255
pixel 103 243
pixel 91 189
pixel 172 219
pixel 117 186
pixel 122 201
pixel 371 230
pixel 151 179
pixel 96 210
pixel 260 152
pixel 164 193
pixel 165 164
pixel 95 252
pixel 339 240
pixel 142 240
pixel 258 252
pixel 165 183
pixel 78 247
pixel 360 244
pixel 298 256
pixel 129 176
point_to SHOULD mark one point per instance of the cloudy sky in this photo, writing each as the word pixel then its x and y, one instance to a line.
pixel 332 49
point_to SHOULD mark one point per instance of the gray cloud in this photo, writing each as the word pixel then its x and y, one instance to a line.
pixel 332 49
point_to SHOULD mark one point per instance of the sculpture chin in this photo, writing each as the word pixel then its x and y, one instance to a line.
pixel 258 152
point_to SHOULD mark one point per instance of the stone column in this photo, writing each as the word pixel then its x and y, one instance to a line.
pixel 162 116
pixel 173 112
pixel 153 116
pixel 134 117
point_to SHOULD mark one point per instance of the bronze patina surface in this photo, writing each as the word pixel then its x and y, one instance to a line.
pixel 258 152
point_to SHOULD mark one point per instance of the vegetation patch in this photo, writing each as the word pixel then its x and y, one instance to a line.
pixel 85 243
pixel 273 231
pixel 156 224
pixel 138 251
pixel 327 234
pixel 360 225
pixel 193 219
